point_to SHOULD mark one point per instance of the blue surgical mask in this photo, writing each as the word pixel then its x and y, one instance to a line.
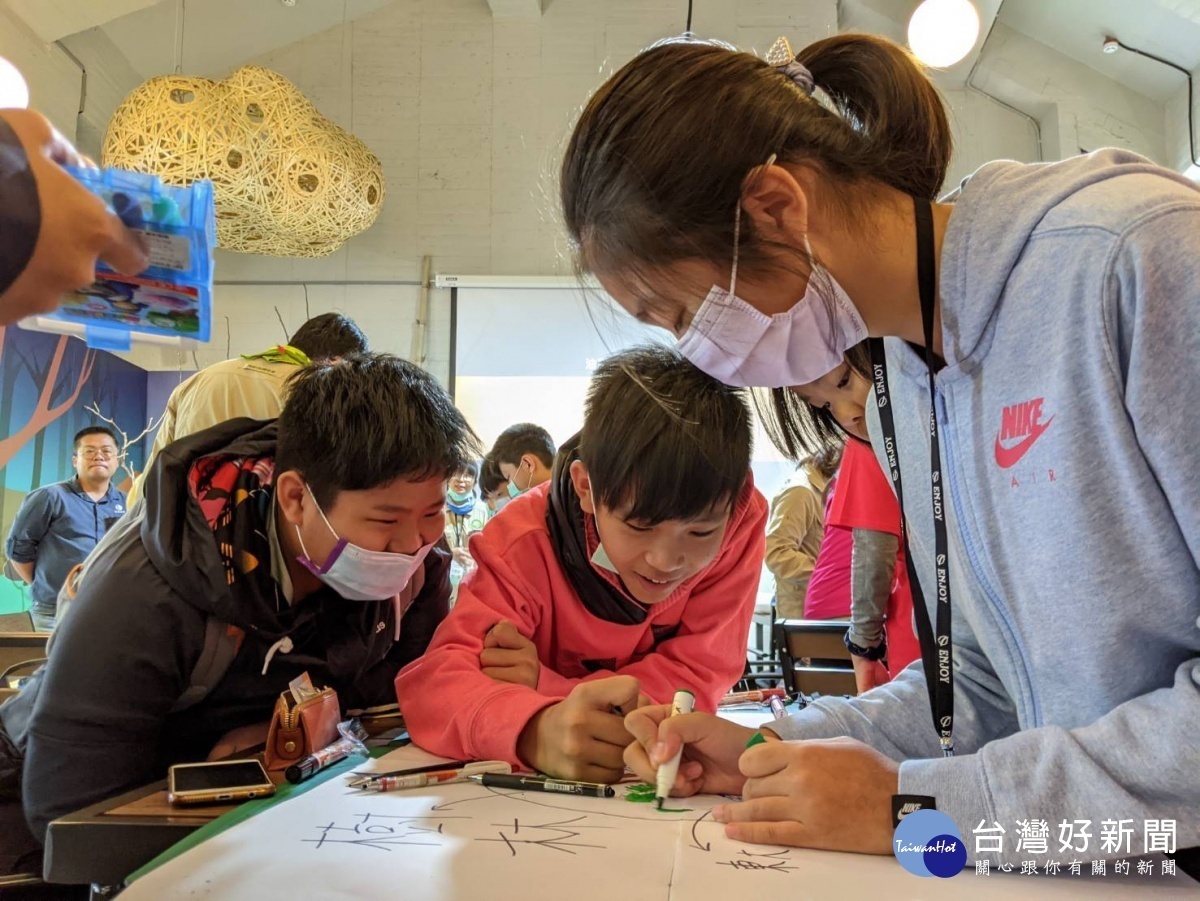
pixel 513 490
pixel 460 504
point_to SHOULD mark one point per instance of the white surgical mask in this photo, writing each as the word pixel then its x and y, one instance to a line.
pixel 736 344
pixel 358 574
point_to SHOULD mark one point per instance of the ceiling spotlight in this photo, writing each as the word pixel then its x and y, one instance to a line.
pixel 1110 45
pixel 942 32
pixel 14 92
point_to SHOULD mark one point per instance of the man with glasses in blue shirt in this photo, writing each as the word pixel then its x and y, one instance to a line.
pixel 58 525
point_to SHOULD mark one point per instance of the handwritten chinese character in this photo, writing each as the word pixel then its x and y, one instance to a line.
pixel 1113 834
pixel 1032 836
pixel 1075 867
pixel 1071 831
pixel 1168 867
pixel 1160 836
pixel 778 866
pixel 1145 868
pixel 985 841
pixel 383 833
pixel 1029 868
pixel 982 867
pixel 1052 868
pixel 1121 867
pixel 1098 868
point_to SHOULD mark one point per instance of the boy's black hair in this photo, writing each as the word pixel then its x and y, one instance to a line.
pixel 95 430
pixel 661 440
pixel 329 335
pixel 367 419
pixel 523 438
pixel 490 476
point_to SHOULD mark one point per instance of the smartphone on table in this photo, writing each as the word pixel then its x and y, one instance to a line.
pixel 218 782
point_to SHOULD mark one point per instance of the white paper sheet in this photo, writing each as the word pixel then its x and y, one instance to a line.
pixel 467 843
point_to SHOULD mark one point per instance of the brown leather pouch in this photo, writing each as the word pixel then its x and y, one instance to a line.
pixel 298 729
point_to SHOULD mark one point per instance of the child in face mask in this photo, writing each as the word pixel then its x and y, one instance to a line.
pixel 631 574
pixel 493 487
pixel 466 514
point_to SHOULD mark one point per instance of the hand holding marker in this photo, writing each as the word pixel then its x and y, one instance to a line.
pixel 683 703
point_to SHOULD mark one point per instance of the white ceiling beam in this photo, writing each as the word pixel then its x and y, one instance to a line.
pixel 516 9
pixel 54 19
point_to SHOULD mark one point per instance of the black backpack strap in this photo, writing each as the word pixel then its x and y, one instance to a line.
pixel 221 644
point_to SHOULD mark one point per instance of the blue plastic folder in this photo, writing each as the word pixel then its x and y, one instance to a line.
pixel 173 297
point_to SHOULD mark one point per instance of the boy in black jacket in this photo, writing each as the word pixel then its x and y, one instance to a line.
pixel 310 540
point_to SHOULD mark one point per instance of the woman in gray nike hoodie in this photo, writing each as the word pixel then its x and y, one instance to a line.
pixel 773 214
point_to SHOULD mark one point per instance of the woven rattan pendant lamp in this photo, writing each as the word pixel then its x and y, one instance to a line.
pixel 288 182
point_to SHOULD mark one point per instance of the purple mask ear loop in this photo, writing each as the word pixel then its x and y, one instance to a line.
pixel 306 560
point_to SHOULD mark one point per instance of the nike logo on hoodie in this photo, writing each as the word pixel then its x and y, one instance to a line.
pixel 1019 421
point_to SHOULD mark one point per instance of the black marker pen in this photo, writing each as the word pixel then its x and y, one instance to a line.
pixel 542 784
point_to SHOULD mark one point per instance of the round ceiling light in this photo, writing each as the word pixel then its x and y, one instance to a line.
pixel 14 92
pixel 942 32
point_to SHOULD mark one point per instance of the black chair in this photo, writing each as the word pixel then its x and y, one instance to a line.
pixel 814 657
pixel 763 669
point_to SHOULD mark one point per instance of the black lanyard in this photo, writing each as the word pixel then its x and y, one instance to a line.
pixel 458 521
pixel 937 652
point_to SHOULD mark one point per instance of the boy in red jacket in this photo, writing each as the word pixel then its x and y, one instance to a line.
pixel 630 574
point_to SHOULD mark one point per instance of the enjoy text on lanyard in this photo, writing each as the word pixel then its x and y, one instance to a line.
pixel 937 654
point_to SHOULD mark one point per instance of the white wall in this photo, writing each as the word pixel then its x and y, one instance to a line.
pixel 468 116
pixel 246 321
pixel 109 78
pixel 1175 122
pixel 54 80
pixel 1078 107
pixel 985 131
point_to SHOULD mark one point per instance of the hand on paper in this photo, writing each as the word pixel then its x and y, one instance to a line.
pixel 580 737
pixel 508 656
pixel 869 674
pixel 831 793
pixel 711 747
pixel 75 229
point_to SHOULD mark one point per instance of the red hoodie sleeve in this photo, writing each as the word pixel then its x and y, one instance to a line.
pixel 708 654
pixel 450 707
